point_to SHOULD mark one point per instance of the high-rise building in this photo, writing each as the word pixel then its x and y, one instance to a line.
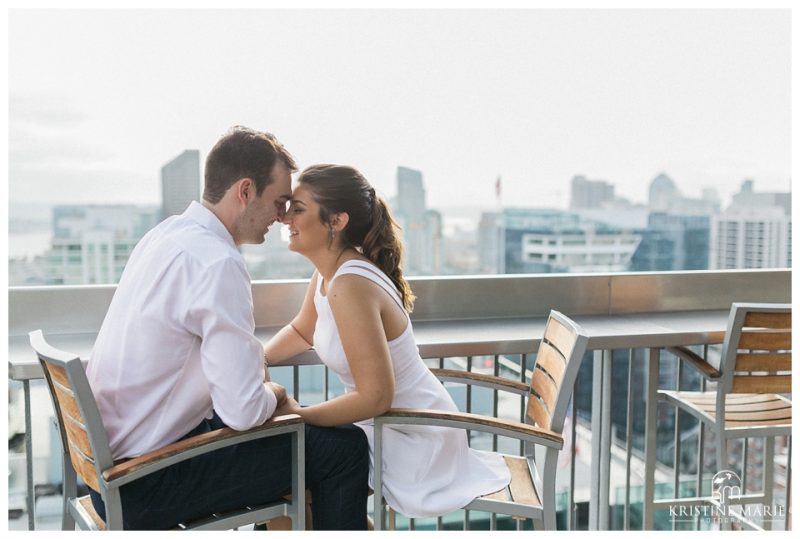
pixel 490 242
pixel 180 183
pixel 754 232
pixel 92 244
pixel 555 241
pixel 747 197
pixel 586 193
pixel 672 243
pixel 665 197
pixel 421 227
pixel 663 192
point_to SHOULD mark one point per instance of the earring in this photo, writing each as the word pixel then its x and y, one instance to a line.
pixel 333 234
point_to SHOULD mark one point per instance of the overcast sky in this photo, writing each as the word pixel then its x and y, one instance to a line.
pixel 100 100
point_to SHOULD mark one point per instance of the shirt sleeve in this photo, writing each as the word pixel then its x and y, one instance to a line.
pixel 221 314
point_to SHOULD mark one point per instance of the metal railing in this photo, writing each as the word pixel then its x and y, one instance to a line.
pixel 446 303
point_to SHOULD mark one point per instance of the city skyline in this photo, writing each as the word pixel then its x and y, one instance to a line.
pixel 533 96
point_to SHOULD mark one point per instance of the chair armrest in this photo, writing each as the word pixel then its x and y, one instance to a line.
pixel 461 420
pixel 483 380
pixel 135 468
pixel 698 363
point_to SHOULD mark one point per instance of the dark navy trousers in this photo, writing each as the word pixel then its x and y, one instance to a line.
pixel 252 473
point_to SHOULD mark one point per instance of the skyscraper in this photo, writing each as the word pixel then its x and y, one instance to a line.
pixel 665 197
pixel 529 240
pixel 422 228
pixel 673 242
pixel 754 232
pixel 180 183
pixel 91 244
pixel 589 193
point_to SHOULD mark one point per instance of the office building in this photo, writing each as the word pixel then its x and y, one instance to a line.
pixel 421 227
pixel 672 243
pixel 754 232
pixel 91 244
pixel 586 193
pixel 180 183
pixel 665 197
pixel 555 241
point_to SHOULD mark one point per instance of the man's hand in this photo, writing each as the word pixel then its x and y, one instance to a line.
pixel 289 406
pixel 279 390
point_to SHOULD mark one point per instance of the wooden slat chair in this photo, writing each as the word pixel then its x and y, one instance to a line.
pixel 549 394
pixel 86 452
pixel 753 377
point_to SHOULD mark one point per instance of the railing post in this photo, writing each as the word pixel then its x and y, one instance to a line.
pixel 676 453
pixel 605 450
pixel 601 441
pixel 30 498
pixel 628 442
pixel 650 439
pixel 572 523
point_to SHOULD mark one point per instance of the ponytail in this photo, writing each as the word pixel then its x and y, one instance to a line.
pixel 371 228
pixel 383 247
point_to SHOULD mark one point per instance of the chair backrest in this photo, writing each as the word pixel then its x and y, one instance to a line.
pixel 557 363
pixel 83 436
pixel 757 353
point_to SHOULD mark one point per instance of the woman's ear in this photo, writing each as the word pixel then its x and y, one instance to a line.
pixel 340 221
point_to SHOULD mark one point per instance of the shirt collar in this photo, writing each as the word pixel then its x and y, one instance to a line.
pixel 206 218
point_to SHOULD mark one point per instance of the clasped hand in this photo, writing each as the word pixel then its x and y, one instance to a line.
pixel 286 404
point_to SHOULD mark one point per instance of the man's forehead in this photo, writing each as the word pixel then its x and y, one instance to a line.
pixel 281 178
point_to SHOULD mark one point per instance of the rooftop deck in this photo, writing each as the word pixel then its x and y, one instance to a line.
pixel 493 324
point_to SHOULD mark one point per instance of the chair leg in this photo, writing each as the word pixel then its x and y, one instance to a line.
pixel 299 511
pixel 113 504
pixel 722 464
pixel 377 496
pixel 722 452
pixel 69 488
pixel 549 489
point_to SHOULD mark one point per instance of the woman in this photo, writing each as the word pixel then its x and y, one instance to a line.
pixel 355 315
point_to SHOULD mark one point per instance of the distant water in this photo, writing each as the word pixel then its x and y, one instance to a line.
pixel 28 244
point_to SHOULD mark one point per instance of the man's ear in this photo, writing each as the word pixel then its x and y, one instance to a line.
pixel 244 190
pixel 340 221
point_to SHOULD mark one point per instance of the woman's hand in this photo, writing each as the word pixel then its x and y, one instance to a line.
pixel 289 406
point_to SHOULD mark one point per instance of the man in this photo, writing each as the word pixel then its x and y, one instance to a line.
pixel 176 356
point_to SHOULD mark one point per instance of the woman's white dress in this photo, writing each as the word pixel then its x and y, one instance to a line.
pixel 427 471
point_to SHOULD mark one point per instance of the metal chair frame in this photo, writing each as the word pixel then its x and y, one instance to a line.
pixel 549 436
pixel 729 382
pixel 66 380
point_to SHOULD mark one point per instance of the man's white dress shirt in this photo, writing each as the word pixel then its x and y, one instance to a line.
pixel 177 341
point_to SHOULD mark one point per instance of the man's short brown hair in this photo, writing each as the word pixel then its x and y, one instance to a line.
pixel 243 153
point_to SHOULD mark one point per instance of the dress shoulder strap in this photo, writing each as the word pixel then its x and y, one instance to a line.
pixel 374 274
pixel 318 290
